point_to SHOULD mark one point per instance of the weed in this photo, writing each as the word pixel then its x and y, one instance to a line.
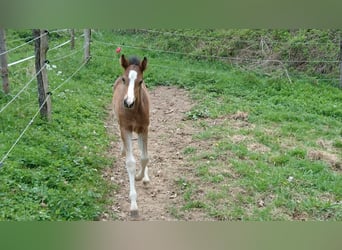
pixel 337 144
pixel 189 150
pixel 199 112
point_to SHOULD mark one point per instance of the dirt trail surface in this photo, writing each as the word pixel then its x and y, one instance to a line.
pixel 169 134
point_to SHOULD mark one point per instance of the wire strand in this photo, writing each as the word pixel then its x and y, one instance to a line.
pixel 168 33
pixel 219 57
pixel 22 133
pixel 26 85
pixel 65 56
pixel 36 114
pixel 30 57
pixel 58 31
pixel 79 68
pixel 10 50
pixel 25 38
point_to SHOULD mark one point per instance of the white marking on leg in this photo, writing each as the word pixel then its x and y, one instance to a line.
pixel 146 179
pixel 132 75
pixel 143 174
pixel 130 166
pixel 122 149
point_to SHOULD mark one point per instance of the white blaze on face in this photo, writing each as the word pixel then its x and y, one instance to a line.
pixel 132 76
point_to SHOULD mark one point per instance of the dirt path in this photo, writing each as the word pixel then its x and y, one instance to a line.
pixel 169 134
pixel 170 145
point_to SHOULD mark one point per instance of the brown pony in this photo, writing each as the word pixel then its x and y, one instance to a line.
pixel 131 107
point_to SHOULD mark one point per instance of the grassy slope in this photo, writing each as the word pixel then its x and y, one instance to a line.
pixel 289 121
pixel 55 171
pixel 289 124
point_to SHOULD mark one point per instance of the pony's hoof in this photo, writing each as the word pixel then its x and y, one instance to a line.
pixel 138 177
pixel 134 213
pixel 146 182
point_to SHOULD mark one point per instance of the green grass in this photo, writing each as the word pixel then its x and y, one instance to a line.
pixel 278 181
pixel 54 172
pixel 289 120
pixel 258 168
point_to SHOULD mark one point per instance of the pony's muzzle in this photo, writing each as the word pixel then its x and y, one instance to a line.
pixel 127 104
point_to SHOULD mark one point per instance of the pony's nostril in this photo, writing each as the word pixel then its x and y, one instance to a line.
pixel 128 105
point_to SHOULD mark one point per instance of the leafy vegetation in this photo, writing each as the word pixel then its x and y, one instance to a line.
pixel 314 52
pixel 274 151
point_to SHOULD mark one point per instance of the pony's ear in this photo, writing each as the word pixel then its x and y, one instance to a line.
pixel 123 61
pixel 143 64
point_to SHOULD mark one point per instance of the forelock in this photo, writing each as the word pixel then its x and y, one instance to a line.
pixel 134 61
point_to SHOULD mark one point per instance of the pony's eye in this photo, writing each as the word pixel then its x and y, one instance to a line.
pixel 141 81
pixel 123 79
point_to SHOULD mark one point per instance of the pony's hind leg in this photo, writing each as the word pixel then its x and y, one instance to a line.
pixel 130 166
pixel 143 173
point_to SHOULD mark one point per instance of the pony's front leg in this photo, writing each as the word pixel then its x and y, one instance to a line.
pixel 122 149
pixel 130 166
pixel 143 174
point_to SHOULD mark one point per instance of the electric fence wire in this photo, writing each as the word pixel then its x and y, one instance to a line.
pixel 31 57
pixel 23 132
pixel 243 59
pixel 25 86
pixel 283 63
pixel 36 114
pixel 10 50
pixel 30 40
pixel 211 38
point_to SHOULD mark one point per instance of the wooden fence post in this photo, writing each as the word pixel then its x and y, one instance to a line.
pixel 72 38
pixel 41 47
pixel 3 63
pixel 340 61
pixel 87 34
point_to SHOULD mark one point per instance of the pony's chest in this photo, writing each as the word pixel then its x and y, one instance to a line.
pixel 135 120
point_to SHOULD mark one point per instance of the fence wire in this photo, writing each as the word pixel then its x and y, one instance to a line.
pixel 25 86
pixel 36 114
pixel 15 48
pixel 264 45
pixel 261 60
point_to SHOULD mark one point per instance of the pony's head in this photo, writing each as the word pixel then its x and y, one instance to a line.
pixel 132 78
